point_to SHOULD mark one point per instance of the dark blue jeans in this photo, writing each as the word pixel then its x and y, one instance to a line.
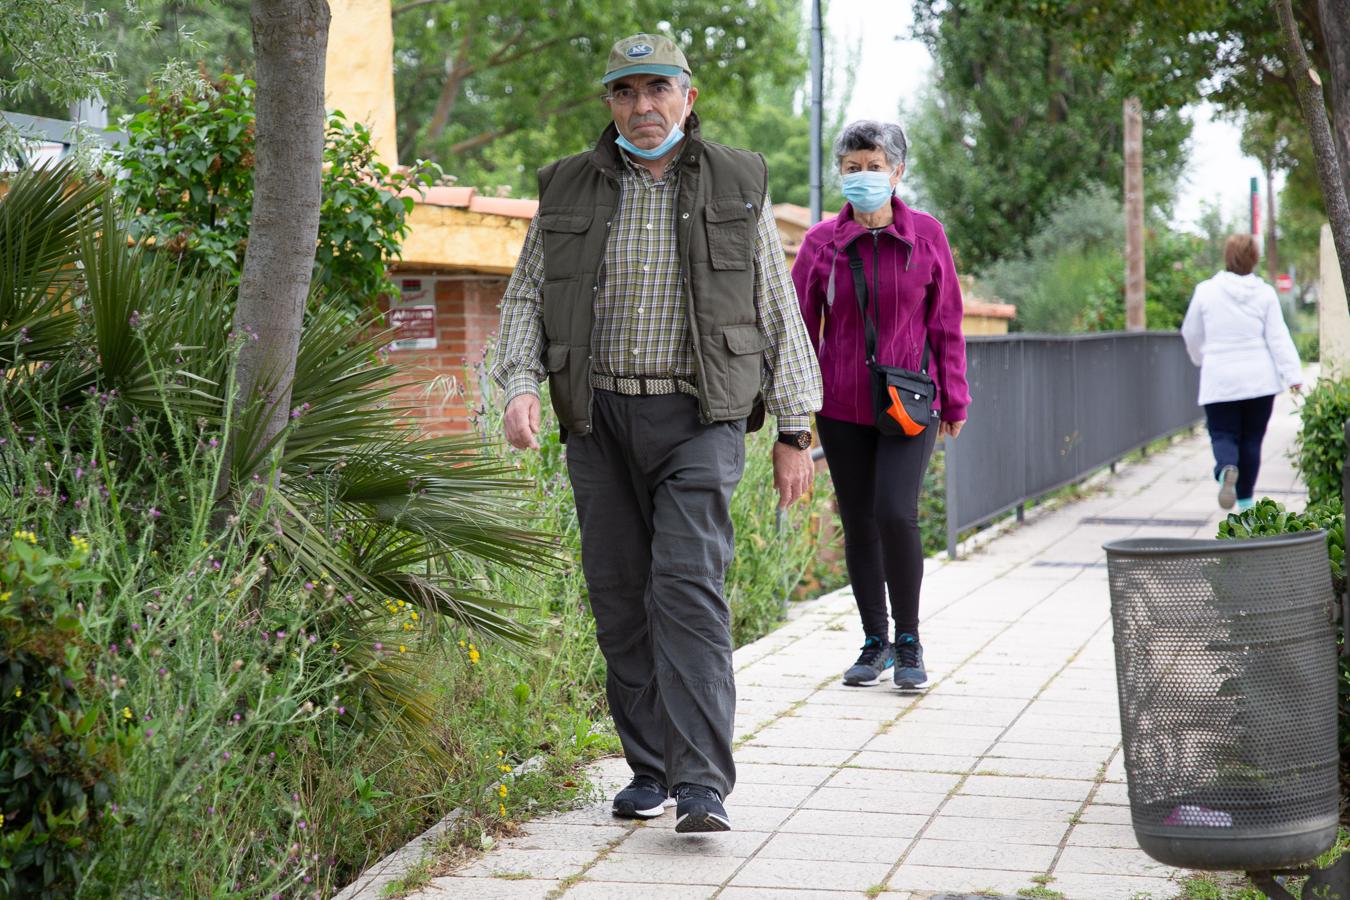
pixel 1236 429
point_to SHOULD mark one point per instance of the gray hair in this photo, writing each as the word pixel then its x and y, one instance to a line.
pixel 866 134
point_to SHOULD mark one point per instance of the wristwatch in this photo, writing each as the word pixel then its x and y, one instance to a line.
pixel 799 439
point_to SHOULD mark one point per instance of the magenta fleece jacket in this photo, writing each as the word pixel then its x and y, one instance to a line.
pixel 919 298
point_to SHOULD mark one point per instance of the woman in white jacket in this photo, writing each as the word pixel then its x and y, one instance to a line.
pixel 1236 334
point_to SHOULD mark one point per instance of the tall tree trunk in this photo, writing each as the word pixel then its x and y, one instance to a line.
pixel 1314 108
pixel 1335 15
pixel 1272 248
pixel 290 40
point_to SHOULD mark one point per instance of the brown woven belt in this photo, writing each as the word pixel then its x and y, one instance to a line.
pixel 642 385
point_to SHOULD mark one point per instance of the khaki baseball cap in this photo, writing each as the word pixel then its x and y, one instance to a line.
pixel 645 54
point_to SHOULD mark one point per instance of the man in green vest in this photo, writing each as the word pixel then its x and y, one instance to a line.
pixel 653 295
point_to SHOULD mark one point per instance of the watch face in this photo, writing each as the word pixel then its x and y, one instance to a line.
pixel 804 440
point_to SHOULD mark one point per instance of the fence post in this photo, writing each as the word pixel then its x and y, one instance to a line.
pixel 948 466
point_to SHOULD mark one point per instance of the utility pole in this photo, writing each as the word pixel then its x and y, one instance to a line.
pixel 817 105
pixel 1134 215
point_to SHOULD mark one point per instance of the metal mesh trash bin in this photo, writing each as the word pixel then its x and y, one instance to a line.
pixel 1226 670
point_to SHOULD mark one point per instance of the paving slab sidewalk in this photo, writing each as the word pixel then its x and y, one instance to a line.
pixel 1004 775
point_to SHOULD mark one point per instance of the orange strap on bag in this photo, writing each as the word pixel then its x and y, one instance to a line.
pixel 898 412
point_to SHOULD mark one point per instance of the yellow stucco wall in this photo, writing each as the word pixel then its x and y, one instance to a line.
pixel 447 237
pixel 360 69
pixel 972 325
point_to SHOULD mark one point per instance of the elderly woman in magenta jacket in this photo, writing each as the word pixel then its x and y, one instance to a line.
pixel 915 299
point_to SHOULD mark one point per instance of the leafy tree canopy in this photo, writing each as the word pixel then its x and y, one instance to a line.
pixel 1017 119
pixel 489 91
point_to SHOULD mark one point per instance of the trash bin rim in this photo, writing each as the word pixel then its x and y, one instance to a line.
pixel 1155 547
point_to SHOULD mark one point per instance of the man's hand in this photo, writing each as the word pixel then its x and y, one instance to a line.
pixel 521 422
pixel 792 473
pixel 950 429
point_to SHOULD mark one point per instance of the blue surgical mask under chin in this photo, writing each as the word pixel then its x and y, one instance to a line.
pixel 868 191
pixel 676 135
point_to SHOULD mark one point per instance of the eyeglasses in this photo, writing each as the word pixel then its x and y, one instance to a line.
pixel 657 91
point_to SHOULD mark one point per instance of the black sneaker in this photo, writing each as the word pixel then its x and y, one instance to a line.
pixel 700 810
pixel 877 656
pixel 909 672
pixel 644 798
pixel 1228 477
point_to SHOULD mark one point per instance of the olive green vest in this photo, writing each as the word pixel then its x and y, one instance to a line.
pixel 721 194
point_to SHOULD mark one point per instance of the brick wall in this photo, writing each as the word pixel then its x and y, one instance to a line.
pixel 440 386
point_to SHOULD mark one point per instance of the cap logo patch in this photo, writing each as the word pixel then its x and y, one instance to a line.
pixel 638 51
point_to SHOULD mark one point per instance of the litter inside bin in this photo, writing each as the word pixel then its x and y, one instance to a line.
pixel 1193 816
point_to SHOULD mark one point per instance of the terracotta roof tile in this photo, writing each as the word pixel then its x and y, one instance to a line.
pixel 504 206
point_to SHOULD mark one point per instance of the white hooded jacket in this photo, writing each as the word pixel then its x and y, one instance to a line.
pixel 1236 334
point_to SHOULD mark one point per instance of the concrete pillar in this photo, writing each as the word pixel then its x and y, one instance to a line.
pixel 1332 315
pixel 360 77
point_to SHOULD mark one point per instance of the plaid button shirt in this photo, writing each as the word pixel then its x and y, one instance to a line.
pixel 640 323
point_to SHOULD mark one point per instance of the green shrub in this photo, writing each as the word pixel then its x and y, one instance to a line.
pixel 62 744
pixel 188 164
pixel 1308 344
pixel 1319 449
pixel 267 659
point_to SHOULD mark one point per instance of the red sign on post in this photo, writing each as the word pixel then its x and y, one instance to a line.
pixel 413 318
pixel 414 327
pixel 1284 283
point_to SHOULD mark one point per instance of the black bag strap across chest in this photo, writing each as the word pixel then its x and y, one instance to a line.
pixel 860 291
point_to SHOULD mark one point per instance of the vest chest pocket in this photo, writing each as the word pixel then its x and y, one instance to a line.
pixel 564 234
pixel 729 225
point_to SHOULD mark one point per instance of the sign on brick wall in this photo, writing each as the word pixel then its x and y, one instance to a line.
pixel 413 318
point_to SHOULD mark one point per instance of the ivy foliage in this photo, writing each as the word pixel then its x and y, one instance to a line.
pixel 1320 446
pixel 187 170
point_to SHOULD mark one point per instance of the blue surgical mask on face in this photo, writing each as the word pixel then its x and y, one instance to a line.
pixel 868 191
pixel 676 135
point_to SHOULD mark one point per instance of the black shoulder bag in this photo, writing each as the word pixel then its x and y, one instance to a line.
pixel 902 400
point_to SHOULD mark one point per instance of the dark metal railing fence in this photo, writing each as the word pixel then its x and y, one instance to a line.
pixel 1048 410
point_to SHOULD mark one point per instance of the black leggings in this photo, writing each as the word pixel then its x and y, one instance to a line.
pixel 876 484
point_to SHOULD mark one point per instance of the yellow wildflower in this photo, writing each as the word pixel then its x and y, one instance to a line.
pixel 407 626
pixel 79 543
pixel 4 596
pixel 413 615
pixel 26 536
pixel 18 692
pixel 126 712
pixel 506 769
pixel 501 791
pixel 501 809
pixel 462 645
pixel 402 648
pixel 474 655
pixel 336 645
pixel 501 752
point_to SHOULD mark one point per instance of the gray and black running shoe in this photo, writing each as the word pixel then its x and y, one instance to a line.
pixel 876 657
pixel 909 671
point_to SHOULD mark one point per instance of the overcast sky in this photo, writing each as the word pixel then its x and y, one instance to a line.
pixel 892 68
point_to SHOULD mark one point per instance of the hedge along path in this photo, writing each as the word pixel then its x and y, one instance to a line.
pixel 1005 775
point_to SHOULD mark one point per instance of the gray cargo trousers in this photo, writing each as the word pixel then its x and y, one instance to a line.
pixel 653 491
